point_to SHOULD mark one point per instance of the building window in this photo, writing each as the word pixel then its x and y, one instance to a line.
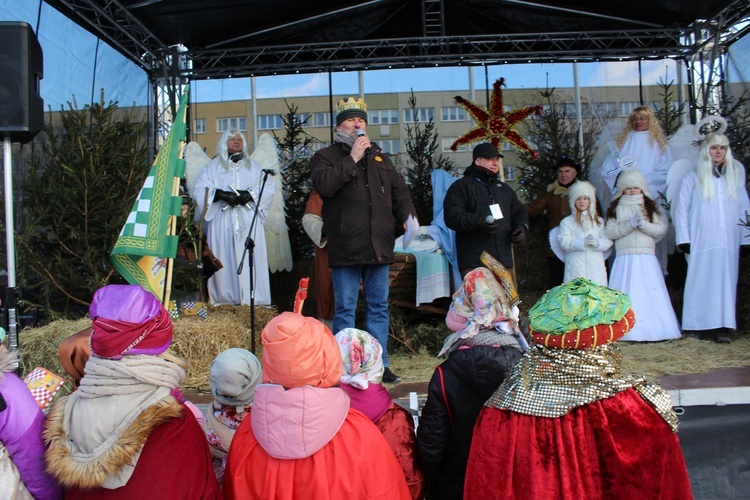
pixel 270 122
pixel 200 126
pixel 382 116
pixel 446 143
pixel 304 119
pixel 506 146
pixel 454 114
pixel 627 107
pixel 657 105
pixel 321 119
pixel 418 114
pixel 238 122
pixel 510 172
pixel 571 112
pixel 605 110
pixel 390 147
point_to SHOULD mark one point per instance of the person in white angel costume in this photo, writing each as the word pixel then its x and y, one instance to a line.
pixel 708 209
pixel 641 145
pixel 227 193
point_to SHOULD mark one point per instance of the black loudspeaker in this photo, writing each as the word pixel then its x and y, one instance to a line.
pixel 21 106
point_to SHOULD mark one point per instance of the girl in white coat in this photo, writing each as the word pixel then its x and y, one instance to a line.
pixel 635 224
pixel 581 236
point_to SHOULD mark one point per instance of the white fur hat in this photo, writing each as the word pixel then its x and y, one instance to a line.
pixel 579 189
pixel 630 179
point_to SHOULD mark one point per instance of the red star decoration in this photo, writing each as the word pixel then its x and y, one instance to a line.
pixel 494 125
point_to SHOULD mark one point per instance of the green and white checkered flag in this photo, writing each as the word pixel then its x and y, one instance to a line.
pixel 147 239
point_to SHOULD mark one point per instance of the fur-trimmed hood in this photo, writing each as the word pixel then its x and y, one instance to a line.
pixel 117 461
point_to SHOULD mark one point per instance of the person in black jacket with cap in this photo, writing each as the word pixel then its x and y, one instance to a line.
pixel 485 212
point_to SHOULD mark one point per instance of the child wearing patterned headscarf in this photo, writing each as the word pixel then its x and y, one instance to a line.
pixel 568 422
pixel 234 375
pixel 302 438
pixel 125 433
pixel 362 375
pixel 486 345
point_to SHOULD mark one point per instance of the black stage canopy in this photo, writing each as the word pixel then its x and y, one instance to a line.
pixel 239 38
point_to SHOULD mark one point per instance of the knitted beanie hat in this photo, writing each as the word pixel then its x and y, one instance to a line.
pixel 351 108
pixel 455 321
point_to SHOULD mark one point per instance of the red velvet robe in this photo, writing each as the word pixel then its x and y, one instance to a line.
pixel 324 301
pixel 616 448
pixel 397 426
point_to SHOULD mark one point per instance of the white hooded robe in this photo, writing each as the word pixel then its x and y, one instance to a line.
pixel 227 230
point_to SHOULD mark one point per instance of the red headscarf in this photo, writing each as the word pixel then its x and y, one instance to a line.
pixel 128 320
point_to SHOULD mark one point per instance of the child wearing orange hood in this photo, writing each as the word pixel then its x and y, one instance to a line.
pixel 302 439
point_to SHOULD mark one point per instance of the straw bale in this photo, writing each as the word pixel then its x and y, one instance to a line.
pixel 39 347
pixel 198 341
pixel 680 356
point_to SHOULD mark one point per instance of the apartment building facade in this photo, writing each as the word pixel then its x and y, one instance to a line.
pixel 390 114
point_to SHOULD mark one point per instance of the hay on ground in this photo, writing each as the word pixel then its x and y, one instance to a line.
pixel 196 340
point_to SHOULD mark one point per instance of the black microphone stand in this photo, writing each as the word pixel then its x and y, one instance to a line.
pixel 250 252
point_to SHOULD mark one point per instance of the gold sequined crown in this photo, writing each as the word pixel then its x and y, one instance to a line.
pixel 359 104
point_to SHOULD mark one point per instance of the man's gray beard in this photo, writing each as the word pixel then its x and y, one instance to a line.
pixel 339 136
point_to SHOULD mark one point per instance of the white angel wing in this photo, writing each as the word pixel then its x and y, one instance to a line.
pixel 683 143
pixel 605 143
pixel 677 172
pixel 277 232
pixel 195 160
pixel 554 243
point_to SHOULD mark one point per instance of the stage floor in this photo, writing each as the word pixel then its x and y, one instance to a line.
pixel 724 386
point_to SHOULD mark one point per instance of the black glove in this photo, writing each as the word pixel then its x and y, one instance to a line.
pixel 744 250
pixel 245 198
pixel 518 234
pixel 684 247
pixel 487 227
pixel 227 197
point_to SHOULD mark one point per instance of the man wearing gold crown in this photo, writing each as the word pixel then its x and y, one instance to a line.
pixel 363 197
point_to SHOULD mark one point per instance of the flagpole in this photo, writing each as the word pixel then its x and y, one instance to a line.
pixel 172 231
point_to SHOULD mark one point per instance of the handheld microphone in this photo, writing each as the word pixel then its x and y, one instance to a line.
pixel 362 133
pixel 269 171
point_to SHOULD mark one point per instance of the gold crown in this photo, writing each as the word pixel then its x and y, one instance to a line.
pixel 359 104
